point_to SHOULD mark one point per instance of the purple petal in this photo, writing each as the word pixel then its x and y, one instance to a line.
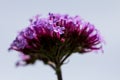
pixel 19 43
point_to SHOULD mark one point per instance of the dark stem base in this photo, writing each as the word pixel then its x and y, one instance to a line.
pixel 59 73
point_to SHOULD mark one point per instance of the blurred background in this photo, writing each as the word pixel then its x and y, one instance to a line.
pixel 104 14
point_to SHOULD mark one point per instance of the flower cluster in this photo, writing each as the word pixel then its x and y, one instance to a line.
pixel 55 38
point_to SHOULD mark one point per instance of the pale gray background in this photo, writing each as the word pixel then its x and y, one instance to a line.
pixel 105 14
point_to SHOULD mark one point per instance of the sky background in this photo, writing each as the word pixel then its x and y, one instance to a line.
pixel 104 14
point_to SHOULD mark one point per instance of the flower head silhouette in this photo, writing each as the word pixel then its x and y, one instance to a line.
pixel 53 39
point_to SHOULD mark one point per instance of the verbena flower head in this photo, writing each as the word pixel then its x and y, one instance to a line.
pixel 53 38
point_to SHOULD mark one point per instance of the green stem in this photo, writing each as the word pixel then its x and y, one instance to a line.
pixel 59 73
pixel 65 58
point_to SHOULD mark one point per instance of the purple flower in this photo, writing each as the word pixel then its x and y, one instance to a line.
pixel 55 38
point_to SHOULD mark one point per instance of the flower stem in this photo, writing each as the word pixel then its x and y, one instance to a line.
pixel 59 73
